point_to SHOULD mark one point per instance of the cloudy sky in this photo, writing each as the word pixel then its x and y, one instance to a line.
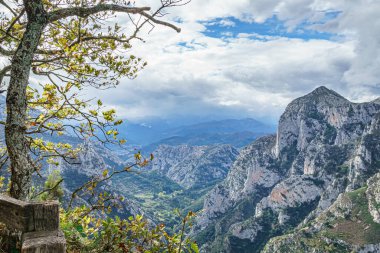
pixel 249 58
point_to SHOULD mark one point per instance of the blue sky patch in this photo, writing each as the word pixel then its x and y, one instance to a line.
pixel 232 27
pixel 185 44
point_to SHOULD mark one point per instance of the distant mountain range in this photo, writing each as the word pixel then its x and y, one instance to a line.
pixel 150 134
pixel 237 132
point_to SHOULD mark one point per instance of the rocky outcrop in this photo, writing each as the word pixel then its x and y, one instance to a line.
pixel 325 145
pixel 251 172
pixel 291 192
pixel 191 166
pixel 373 196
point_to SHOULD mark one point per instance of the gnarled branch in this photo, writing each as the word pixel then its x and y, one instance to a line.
pixel 87 11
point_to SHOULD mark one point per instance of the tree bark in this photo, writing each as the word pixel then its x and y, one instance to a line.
pixel 21 164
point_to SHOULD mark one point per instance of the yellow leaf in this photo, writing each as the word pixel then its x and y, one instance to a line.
pixel 138 156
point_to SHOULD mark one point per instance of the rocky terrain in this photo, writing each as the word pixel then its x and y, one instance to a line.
pixel 350 224
pixel 327 149
pixel 191 166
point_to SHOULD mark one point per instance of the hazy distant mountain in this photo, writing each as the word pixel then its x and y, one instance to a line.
pixel 238 140
pixel 154 132
pixel 144 133
pixel 236 132
pixel 223 126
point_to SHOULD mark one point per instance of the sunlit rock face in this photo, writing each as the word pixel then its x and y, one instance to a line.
pixel 325 145
pixel 373 196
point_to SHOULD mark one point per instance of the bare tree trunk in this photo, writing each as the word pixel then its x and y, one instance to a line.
pixel 22 166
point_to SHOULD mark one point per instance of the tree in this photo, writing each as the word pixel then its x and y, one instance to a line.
pixel 68 44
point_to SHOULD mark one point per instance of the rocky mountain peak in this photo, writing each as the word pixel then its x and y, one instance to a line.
pixel 325 145
pixel 319 97
pixel 322 115
pixel 323 91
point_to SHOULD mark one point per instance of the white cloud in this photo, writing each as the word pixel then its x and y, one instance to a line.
pixel 252 75
pixel 227 23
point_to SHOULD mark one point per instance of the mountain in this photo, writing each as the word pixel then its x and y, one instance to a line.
pixel 91 161
pixel 238 140
pixel 325 146
pixel 191 166
pixel 144 133
pixel 237 132
pixel 223 126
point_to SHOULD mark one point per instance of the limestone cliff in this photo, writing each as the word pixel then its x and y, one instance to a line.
pixel 325 145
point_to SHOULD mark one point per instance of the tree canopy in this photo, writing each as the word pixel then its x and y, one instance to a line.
pixel 67 45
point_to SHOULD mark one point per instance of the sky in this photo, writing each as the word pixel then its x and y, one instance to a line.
pixel 241 58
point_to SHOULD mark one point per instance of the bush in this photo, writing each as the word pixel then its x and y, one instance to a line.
pixel 85 232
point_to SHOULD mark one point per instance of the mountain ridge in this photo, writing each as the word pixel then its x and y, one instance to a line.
pixel 150 136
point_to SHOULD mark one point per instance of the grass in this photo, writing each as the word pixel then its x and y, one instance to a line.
pixel 358 228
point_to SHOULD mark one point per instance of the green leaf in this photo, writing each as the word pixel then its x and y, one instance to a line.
pixel 194 247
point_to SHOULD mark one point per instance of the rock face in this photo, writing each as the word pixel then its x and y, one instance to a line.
pixel 325 145
pixel 373 197
pixel 350 224
pixel 185 165
pixel 191 166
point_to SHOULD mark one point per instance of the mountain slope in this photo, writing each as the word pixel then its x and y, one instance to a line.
pixel 350 224
pixel 325 145
pixel 191 166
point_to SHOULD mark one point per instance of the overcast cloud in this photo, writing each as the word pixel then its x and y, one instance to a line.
pixel 252 74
